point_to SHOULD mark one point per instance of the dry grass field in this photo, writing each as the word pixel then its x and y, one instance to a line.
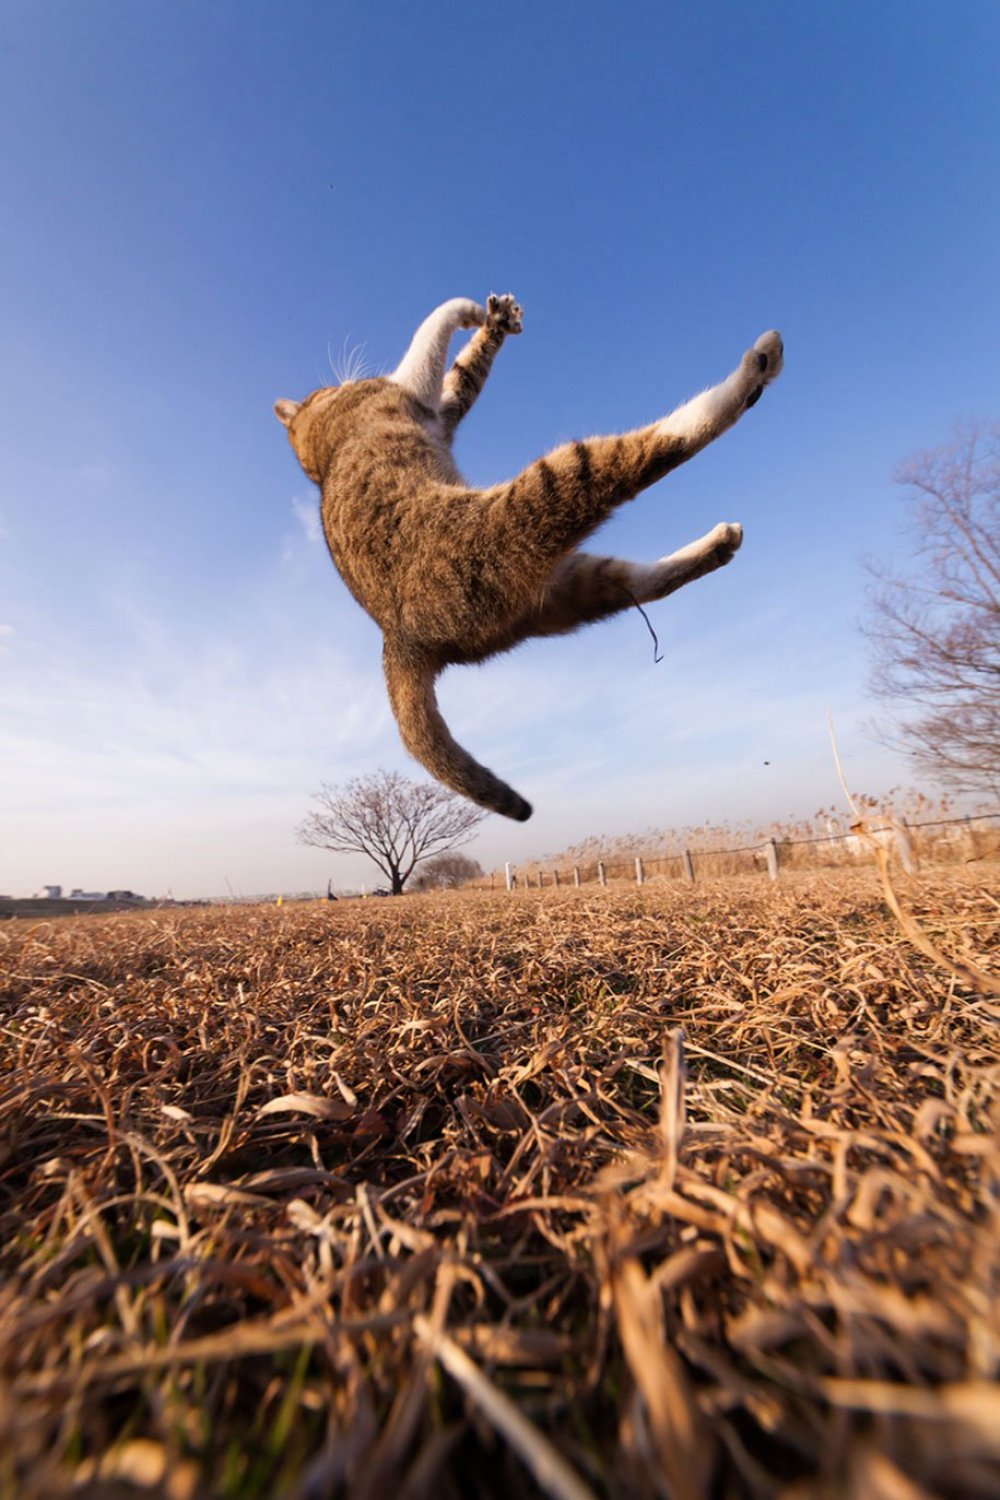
pixel 429 1197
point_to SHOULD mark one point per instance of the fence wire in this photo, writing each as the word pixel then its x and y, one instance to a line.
pixel 637 866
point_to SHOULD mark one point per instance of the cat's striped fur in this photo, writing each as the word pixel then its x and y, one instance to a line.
pixel 454 574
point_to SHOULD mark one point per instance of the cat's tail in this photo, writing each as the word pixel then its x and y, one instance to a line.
pixel 410 679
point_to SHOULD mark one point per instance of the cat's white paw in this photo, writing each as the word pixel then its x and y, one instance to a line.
pixel 763 363
pixel 724 541
pixel 504 313
pixel 471 315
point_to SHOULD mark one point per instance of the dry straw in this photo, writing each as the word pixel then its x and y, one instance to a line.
pixel 678 1193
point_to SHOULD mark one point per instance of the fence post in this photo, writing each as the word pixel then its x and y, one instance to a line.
pixel 576 875
pixel 687 865
pixel 904 846
pixel 771 849
pixel 639 872
pixel 509 876
pixel 555 877
pixel 601 875
pixel 970 834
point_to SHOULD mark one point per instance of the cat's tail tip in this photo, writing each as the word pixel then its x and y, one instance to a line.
pixel 516 807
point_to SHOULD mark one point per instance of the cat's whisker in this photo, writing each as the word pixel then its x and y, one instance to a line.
pixel 351 365
pixel 361 365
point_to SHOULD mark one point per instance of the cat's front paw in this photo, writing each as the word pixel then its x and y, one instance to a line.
pixel 763 363
pixel 504 314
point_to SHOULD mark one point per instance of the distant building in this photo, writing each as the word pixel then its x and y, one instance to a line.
pixel 123 896
pixel 49 893
pixel 77 895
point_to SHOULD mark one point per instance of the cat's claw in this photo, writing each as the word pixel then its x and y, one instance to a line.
pixel 503 313
pixel 764 361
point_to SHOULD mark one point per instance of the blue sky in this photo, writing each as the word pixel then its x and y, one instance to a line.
pixel 198 202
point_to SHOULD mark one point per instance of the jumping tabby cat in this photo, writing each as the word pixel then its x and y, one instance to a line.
pixel 453 574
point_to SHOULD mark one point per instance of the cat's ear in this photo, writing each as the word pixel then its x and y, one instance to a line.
pixel 285 411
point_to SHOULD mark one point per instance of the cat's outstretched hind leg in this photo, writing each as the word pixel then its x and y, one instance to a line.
pixel 583 588
pixel 710 552
pixel 706 417
pixel 555 503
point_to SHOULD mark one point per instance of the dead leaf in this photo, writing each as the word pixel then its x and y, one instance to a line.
pixel 320 1106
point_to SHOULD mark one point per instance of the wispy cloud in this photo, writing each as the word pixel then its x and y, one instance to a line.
pixel 307 515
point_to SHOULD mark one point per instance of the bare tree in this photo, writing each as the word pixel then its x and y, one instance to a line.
pixel 446 872
pixel 395 822
pixel 935 633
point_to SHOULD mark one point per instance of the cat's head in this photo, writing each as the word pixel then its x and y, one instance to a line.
pixel 304 422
